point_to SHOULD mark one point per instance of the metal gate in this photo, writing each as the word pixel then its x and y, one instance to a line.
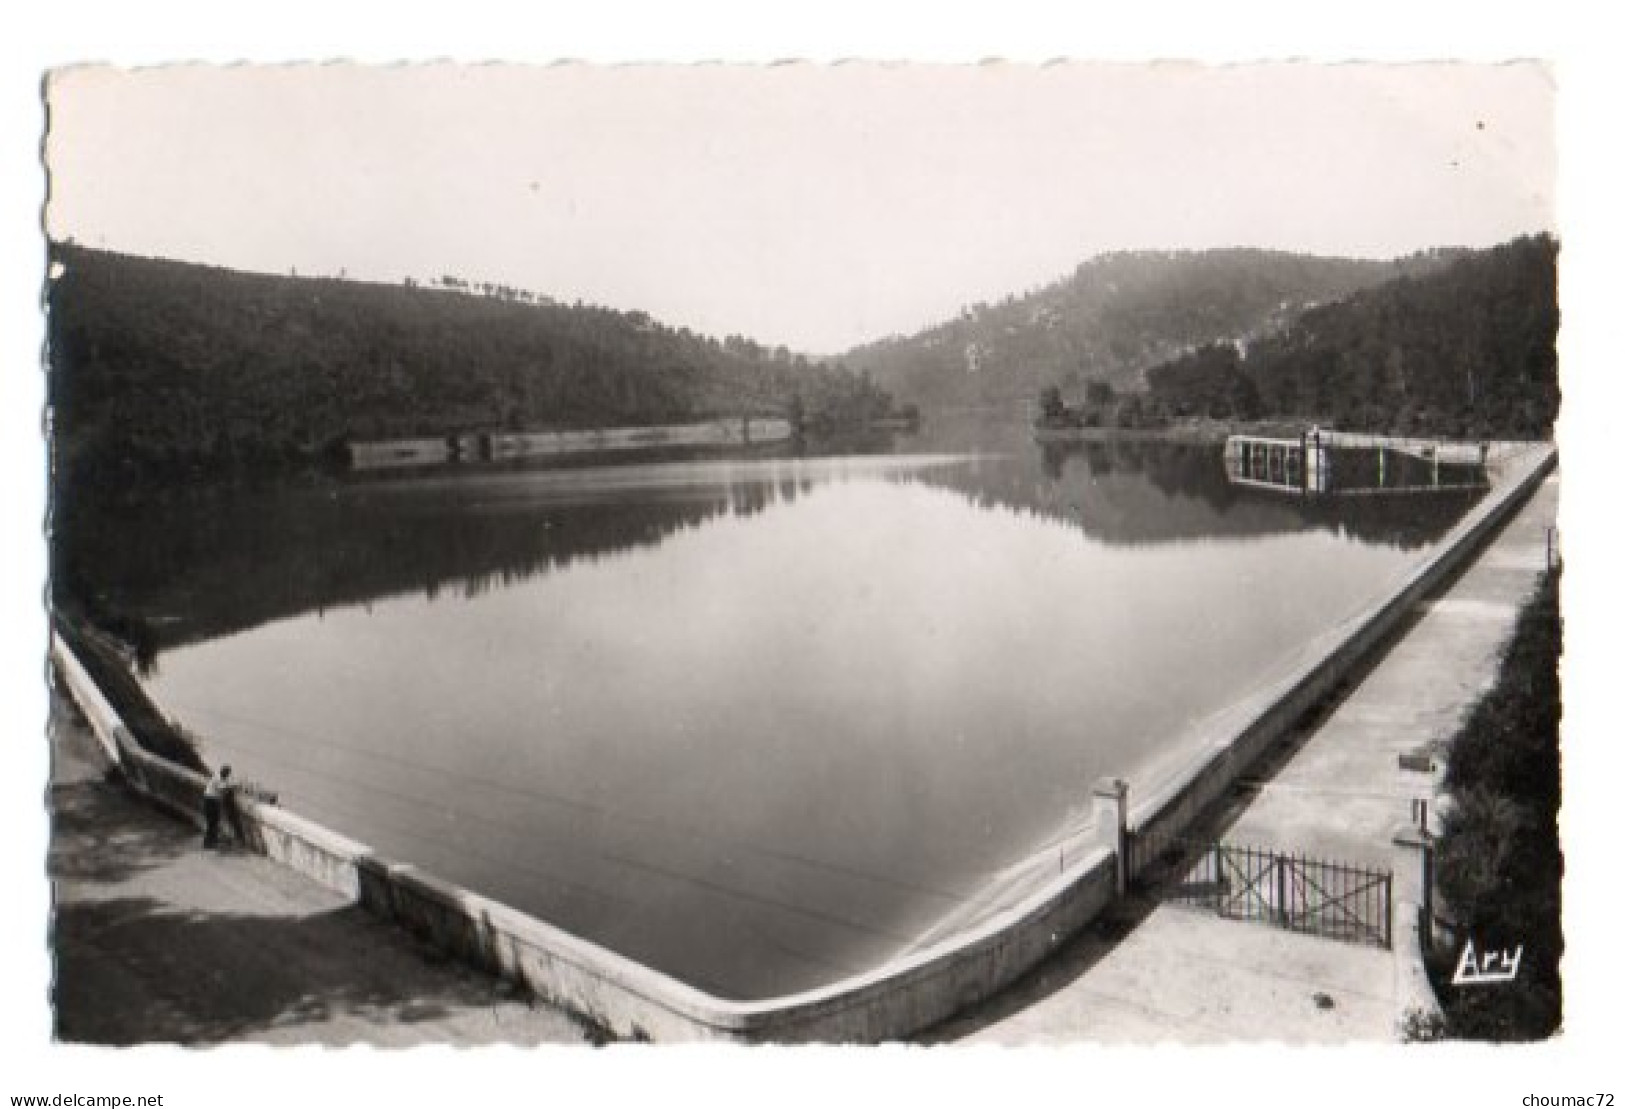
pixel 1302 894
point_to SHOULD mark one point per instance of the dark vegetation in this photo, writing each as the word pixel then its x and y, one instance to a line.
pixel 168 370
pixel 160 572
pixel 1468 351
pixel 1114 318
pixel 1499 865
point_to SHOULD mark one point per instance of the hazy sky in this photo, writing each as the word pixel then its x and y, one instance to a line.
pixel 812 206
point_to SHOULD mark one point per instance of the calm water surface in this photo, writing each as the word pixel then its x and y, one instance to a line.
pixel 760 724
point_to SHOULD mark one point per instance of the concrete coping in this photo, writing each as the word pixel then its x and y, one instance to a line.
pixel 317 835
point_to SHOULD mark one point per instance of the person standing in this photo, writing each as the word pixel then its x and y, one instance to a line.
pixel 214 798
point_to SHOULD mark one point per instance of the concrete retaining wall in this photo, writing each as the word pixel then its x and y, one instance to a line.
pixel 892 1002
pixel 509 445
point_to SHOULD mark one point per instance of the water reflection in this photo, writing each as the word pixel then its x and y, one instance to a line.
pixel 1107 488
pixel 773 748
pixel 192 568
pixel 175 569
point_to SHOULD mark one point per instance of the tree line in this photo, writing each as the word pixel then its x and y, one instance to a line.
pixel 164 368
pixel 1114 317
pixel 1469 351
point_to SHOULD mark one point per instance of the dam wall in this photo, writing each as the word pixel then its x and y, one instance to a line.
pixel 502 446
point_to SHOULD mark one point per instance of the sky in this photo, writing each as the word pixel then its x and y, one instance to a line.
pixel 814 206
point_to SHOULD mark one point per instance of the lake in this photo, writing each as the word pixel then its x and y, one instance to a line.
pixel 760 723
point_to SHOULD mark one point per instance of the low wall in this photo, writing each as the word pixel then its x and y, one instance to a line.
pixel 894 1001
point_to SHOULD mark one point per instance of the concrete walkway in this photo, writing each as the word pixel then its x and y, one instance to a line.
pixel 1166 972
pixel 156 940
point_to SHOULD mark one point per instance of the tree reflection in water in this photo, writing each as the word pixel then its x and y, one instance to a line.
pixel 182 566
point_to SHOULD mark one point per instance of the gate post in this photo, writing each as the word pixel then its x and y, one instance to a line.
pixel 1419 863
pixel 1111 819
pixel 1427 891
pixel 1283 913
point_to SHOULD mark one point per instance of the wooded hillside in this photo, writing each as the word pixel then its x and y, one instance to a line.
pixel 172 368
pixel 1467 351
pixel 1113 318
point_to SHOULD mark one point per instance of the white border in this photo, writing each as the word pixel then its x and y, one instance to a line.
pixel 154 32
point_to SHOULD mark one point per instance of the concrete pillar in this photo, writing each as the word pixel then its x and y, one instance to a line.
pixel 1111 819
pixel 1413 882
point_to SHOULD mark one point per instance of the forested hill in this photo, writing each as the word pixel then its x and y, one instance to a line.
pixel 1113 318
pixel 1467 351
pixel 169 367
